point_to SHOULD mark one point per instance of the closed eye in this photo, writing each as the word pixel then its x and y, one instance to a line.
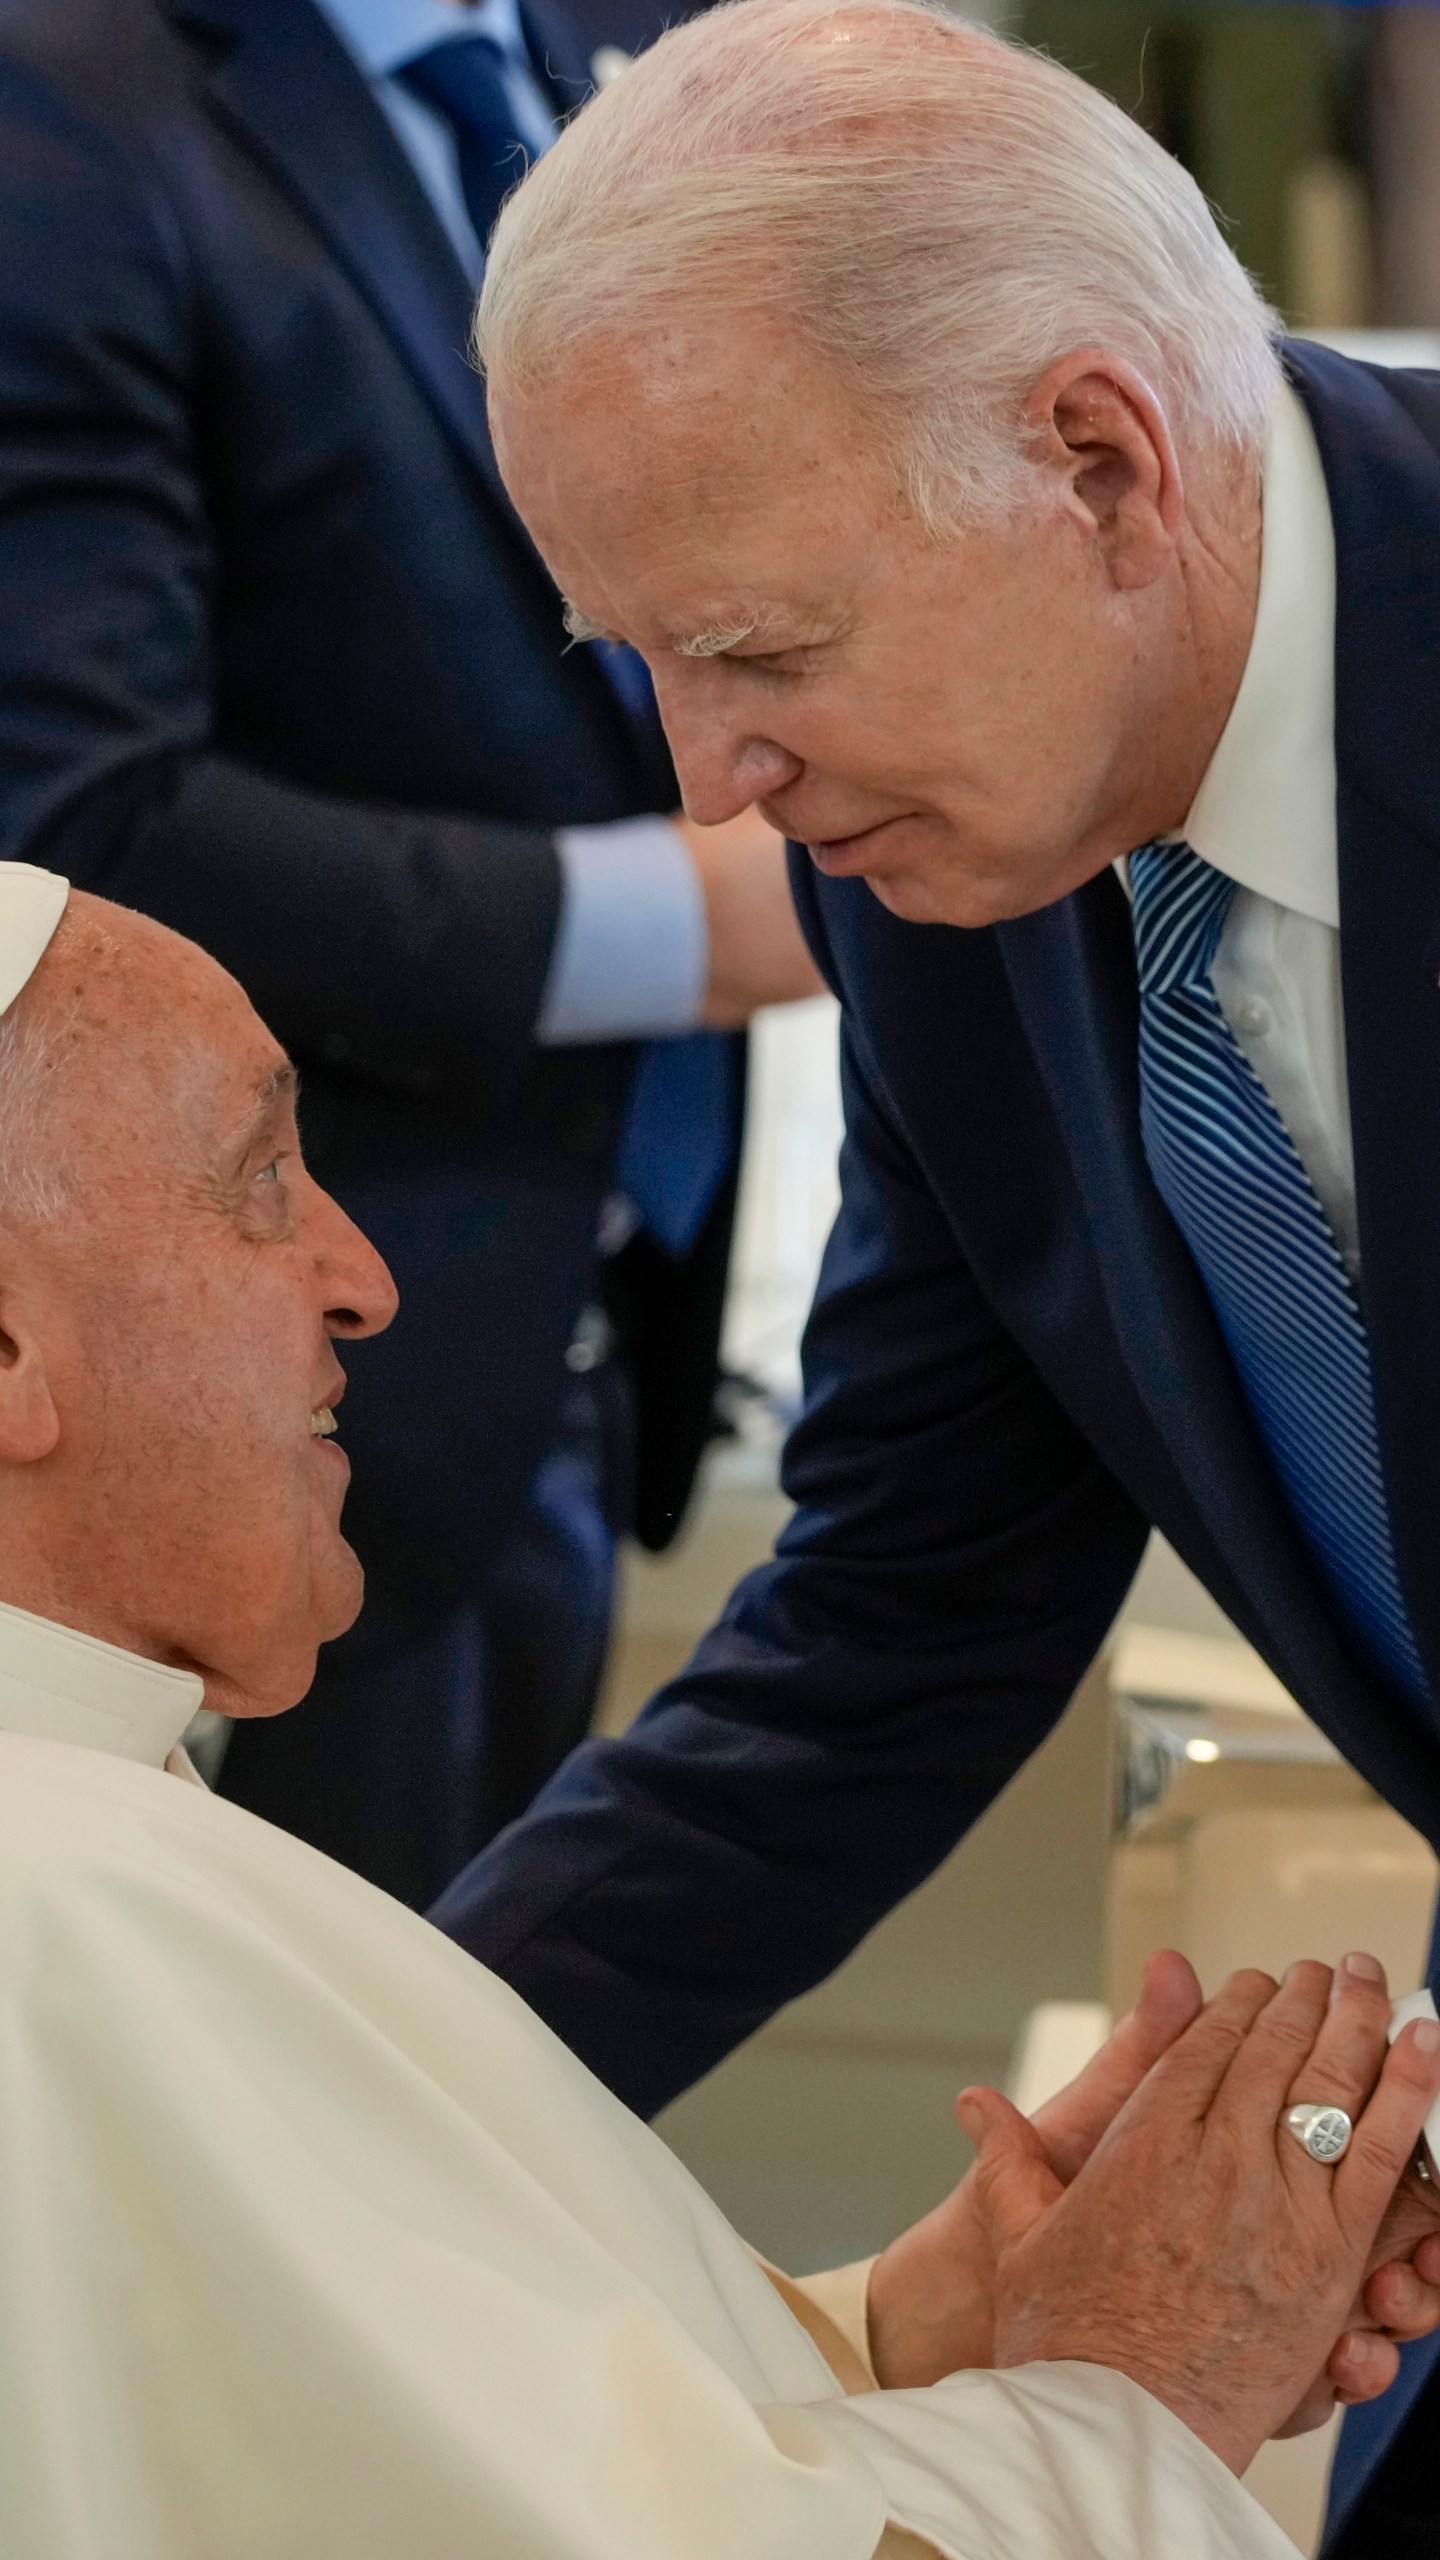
pixel 773 662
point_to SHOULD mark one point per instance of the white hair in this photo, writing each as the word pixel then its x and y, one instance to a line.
pixel 940 212
pixel 42 1042
pixel 33 1183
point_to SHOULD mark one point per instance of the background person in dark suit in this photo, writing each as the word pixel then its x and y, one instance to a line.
pixel 1026 556
pixel 278 664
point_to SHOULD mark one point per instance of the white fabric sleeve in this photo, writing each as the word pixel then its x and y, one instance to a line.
pixel 632 948
pixel 318 2247
pixel 1053 2462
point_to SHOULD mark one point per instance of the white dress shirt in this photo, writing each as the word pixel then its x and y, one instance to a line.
pixel 1265 815
pixel 318 2244
pixel 631 954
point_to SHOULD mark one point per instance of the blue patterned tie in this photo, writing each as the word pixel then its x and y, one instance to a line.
pixel 1228 1171
pixel 466 80
pixel 679 1131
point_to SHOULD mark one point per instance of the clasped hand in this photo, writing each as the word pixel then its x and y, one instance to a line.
pixel 1158 2218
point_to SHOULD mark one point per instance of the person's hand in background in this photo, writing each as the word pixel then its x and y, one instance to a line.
pixel 1200 2250
pixel 757 951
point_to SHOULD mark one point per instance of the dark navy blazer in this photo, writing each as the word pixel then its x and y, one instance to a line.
pixel 1012 1372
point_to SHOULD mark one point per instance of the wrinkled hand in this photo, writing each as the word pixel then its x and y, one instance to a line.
pixel 932 2292
pixel 757 951
pixel 931 2302
pixel 1200 2250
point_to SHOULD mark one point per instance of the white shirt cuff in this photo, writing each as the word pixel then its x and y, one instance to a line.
pixel 631 954
pixel 1052 2462
pixel 843 2294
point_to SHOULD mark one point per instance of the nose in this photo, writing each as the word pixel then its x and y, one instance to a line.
pixel 724 762
pixel 360 1296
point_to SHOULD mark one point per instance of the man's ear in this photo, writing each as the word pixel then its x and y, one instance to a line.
pixel 1096 420
pixel 29 1422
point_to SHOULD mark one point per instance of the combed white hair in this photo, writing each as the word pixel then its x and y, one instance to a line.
pixel 940 212
pixel 33 1183
pixel 42 1042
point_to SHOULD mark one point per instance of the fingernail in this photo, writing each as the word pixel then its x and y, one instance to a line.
pixel 1363 1968
pixel 1427 2038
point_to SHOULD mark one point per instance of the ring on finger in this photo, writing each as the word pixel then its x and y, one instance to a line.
pixel 1322 2131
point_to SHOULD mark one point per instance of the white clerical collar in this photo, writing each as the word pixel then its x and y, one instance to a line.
pixel 59 1686
pixel 1265 812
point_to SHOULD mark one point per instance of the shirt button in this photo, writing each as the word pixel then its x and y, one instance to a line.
pixel 1253 1016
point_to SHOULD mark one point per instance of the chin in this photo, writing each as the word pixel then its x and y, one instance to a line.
pixel 917 900
pixel 339 1588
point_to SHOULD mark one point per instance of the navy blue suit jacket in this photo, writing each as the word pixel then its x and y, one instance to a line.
pixel 1012 1372
pixel 279 664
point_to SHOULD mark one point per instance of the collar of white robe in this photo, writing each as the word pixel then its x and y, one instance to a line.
pixel 57 1685
pixel 32 903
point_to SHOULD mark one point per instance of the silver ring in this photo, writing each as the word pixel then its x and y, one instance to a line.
pixel 1322 2131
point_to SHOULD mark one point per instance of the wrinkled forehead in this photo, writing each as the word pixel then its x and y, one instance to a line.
pixel 698 476
pixel 159 1059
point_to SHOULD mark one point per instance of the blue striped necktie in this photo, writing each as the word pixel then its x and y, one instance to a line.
pixel 1228 1171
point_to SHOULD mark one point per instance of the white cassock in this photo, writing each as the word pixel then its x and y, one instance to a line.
pixel 316 2245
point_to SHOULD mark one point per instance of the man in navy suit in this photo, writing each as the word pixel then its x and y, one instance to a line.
pixel 1088 645
pixel 278 663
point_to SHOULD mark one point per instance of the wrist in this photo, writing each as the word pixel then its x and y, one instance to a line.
pixel 930 2304
pixel 1229 2434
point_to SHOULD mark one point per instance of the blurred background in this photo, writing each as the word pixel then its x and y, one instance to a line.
pixel 523 990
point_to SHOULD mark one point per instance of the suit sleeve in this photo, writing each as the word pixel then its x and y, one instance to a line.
pixel 414 946
pixel 956 1555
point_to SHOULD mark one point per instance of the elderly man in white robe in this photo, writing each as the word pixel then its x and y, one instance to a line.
pixel 316 2244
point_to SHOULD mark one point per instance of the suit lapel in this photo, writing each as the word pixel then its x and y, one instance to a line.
pixel 288 85
pixel 1384 480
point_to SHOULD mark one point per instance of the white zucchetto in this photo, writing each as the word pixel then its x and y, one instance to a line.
pixel 32 903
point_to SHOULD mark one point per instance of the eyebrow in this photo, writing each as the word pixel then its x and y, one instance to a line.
pixel 777 626
pixel 716 638
pixel 711 640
